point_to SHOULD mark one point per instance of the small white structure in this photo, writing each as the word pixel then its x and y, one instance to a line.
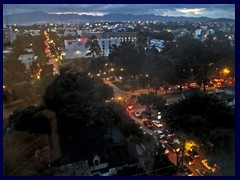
pixel 156 43
pixel 70 33
pixel 27 59
pixel 97 164
pixel 198 33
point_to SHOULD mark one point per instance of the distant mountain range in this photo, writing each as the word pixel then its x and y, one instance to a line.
pixel 42 17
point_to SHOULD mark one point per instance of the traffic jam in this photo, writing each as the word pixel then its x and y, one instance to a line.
pixel 185 154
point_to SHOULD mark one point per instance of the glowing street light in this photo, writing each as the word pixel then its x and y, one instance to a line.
pixel 226 71
pixel 112 69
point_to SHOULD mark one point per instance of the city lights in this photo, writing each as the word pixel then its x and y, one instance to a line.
pixel 119 89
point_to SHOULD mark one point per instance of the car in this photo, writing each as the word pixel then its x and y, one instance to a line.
pixel 165 149
pixel 111 78
pixel 210 85
pixel 168 133
pixel 157 123
pixel 188 160
pixel 160 133
pixel 208 165
pixel 186 170
pixel 137 114
pixel 201 172
pixel 172 88
pixel 193 153
pixel 129 107
pixel 146 132
pixel 148 124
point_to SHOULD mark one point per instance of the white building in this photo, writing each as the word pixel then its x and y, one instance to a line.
pixel 75 48
pixel 70 33
pixel 27 59
pixel 9 35
pixel 156 43
pixel 35 32
pixel 105 44
pixel 198 32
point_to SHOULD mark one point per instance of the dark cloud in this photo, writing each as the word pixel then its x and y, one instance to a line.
pixel 196 10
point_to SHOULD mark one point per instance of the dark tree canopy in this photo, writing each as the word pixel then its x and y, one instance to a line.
pixel 29 119
pixel 150 100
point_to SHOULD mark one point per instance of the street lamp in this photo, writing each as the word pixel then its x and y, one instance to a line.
pixel 119 98
pixel 124 101
pixel 177 152
pixel 224 73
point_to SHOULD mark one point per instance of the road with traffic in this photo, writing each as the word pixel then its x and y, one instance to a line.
pixel 125 95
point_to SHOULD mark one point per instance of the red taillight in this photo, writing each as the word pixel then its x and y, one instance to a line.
pixel 130 107
pixel 166 151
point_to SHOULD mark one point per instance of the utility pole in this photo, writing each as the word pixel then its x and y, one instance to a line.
pixel 182 150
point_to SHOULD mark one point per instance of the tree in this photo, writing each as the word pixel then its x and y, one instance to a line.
pixel 112 52
pixel 142 39
pixel 207 119
pixel 223 153
pixel 84 118
pixel 94 47
pixel 27 119
pixel 129 128
pixel 74 97
pixel 188 57
pixel 14 72
pixel 150 100
pixel 199 114
pixel 201 76
pixel 24 90
pixel 97 65
pixel 128 58
pixel 34 68
pixel 164 35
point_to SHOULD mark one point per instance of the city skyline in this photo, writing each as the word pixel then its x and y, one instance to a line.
pixel 185 10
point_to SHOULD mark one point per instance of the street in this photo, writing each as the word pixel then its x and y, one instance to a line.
pixel 137 107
